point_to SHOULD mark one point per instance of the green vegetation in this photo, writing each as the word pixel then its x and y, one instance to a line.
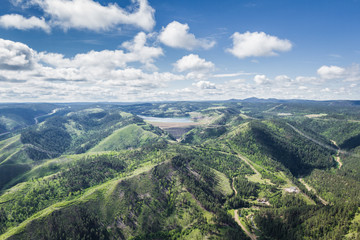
pixel 131 136
pixel 344 132
pixel 223 183
pixel 276 146
pixel 305 222
pixel 98 171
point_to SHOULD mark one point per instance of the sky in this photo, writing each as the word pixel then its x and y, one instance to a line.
pixel 156 50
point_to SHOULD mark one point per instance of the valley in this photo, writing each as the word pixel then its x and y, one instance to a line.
pixel 237 169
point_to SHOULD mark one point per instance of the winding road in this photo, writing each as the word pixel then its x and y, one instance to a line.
pixel 338 150
pixel 323 201
pixel 247 161
pixel 250 235
pixel 237 220
pixel 337 158
pixel 48 114
pixel 312 139
pixel 232 186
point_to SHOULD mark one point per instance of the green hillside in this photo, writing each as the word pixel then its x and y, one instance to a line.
pixel 131 136
pixel 163 193
pixel 248 169
pixel 13 160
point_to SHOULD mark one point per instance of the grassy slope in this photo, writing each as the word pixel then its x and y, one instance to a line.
pixel 223 184
pixel 105 197
pixel 13 160
pixel 131 136
pixel 8 147
pixel 121 203
pixel 86 197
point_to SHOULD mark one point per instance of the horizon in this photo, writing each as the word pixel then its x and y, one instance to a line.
pixel 155 51
pixel 193 101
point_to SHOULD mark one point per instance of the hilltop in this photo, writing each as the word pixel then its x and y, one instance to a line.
pixel 255 168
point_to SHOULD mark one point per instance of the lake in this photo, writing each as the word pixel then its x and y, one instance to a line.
pixel 167 120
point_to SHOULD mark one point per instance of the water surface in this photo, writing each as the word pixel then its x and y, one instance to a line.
pixel 168 120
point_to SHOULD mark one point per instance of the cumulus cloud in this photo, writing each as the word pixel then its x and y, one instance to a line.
pixel 204 85
pixel 257 44
pixel 226 75
pixel 237 81
pixel 261 79
pixel 331 72
pixel 96 75
pixel 351 73
pixel 304 79
pixel 137 78
pixel 177 35
pixel 283 78
pixel 87 14
pixel 15 56
pixel 19 22
pixel 137 51
pixel 193 63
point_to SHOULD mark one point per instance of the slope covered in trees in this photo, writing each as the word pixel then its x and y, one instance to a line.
pixel 248 168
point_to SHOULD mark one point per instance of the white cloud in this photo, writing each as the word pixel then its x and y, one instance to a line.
pixel 96 75
pixel 19 22
pixel 257 44
pixel 331 72
pixel 284 81
pixel 138 51
pixel 91 15
pixel 225 75
pixel 204 85
pixel 136 78
pixel 303 79
pixel 237 81
pixel 193 63
pixel 15 56
pixel 177 35
pixel 351 73
pixel 261 79
pixel 283 78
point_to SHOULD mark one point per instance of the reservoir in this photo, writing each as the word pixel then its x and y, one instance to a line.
pixel 167 120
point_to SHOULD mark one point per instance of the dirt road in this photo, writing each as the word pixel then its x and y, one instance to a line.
pixel 312 189
pixel 337 158
pixel 232 186
pixel 251 235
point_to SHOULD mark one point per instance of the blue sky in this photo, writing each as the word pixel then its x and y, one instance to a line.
pixel 139 50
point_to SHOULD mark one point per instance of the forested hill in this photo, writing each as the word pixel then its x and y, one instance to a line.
pixel 244 169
